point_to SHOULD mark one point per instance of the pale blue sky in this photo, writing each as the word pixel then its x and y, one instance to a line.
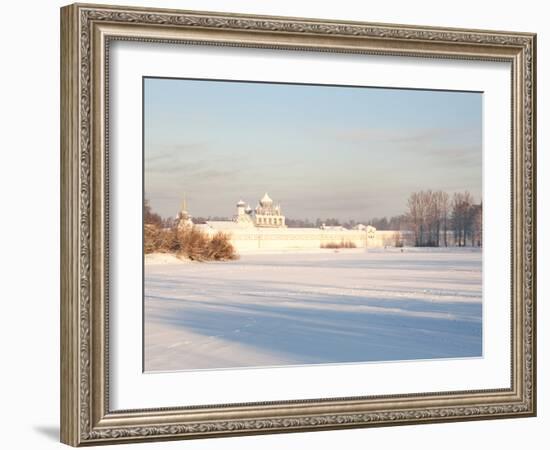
pixel 321 151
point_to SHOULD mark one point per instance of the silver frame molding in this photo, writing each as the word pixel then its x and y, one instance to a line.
pixel 86 32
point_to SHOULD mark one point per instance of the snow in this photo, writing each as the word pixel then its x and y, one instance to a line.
pixel 164 258
pixel 330 306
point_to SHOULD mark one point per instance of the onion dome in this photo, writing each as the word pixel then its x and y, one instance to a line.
pixel 266 200
pixel 241 203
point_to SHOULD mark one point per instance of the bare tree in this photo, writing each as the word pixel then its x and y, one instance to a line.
pixel 444 200
pixel 462 217
pixel 415 217
pixel 437 218
pixel 477 225
pixel 420 216
pixel 433 201
pixel 457 217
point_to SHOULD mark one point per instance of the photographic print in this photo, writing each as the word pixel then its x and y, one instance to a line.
pixel 294 224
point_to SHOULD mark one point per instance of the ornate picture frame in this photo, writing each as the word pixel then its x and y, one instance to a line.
pixel 87 31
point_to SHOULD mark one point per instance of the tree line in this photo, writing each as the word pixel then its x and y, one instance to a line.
pixel 436 219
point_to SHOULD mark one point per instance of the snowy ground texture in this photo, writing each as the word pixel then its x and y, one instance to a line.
pixel 323 307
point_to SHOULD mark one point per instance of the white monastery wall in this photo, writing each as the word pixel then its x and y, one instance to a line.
pixel 252 239
pixel 264 228
pixel 294 238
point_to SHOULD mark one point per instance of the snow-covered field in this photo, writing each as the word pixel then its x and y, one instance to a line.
pixel 309 308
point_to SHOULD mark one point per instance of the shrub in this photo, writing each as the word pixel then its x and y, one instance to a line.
pixel 188 242
pixel 151 238
pixel 220 248
pixel 341 244
pixel 191 243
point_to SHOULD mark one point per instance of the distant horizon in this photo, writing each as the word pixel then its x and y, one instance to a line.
pixel 349 153
pixel 303 219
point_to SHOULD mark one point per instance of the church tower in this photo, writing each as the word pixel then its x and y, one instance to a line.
pixel 183 217
pixel 241 206
pixel 243 214
pixel 268 215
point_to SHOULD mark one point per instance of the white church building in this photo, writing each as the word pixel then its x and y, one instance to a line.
pixel 264 228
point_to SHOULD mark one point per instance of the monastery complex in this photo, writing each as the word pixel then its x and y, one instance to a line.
pixel 264 228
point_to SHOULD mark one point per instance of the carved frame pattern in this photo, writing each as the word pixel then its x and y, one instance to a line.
pixel 86 418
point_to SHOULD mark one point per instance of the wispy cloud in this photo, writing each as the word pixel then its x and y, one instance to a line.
pixel 469 157
pixel 401 135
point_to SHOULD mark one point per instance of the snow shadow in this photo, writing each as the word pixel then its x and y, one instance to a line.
pixel 339 309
